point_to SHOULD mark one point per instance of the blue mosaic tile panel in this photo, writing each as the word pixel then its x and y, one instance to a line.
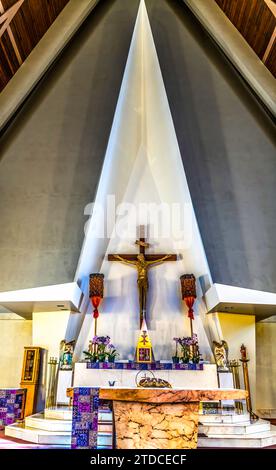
pixel 85 418
pixel 139 366
pixel 11 405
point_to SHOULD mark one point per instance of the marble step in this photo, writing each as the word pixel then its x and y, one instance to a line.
pixel 65 413
pixel 256 440
pixel 55 438
pixel 220 418
pixel 38 436
pixel 234 428
pixel 58 413
pixel 7 444
pixel 38 421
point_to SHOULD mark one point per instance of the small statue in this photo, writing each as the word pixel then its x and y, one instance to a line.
pixel 220 351
pixel 243 354
pixel 66 354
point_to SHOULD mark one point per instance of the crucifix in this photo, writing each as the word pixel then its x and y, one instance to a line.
pixel 142 262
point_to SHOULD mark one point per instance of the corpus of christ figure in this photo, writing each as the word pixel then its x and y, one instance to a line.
pixel 142 262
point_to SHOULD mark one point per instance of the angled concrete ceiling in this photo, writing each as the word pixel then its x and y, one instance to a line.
pixel 37 39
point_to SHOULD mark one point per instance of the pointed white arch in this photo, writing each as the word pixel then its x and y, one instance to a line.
pixel 142 164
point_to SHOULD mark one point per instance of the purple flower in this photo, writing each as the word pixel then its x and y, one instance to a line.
pixel 103 340
pixel 187 341
pixel 107 340
pixel 94 340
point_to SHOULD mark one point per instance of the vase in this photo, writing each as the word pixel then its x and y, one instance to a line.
pixel 175 359
pixel 185 360
pixel 111 359
pixel 102 357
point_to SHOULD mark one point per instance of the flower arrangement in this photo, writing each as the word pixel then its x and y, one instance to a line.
pixel 100 349
pixel 111 353
pixel 189 349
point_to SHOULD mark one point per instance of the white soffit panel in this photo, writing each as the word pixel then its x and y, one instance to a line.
pixel 53 298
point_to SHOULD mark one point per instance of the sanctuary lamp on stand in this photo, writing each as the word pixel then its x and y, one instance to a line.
pixel 188 289
pixel 96 292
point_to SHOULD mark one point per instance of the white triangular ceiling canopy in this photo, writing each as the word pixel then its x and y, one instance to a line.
pixel 143 165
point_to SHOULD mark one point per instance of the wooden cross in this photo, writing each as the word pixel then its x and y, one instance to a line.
pixel 142 262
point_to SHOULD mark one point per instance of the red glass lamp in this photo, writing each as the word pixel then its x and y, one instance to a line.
pixel 188 288
pixel 96 292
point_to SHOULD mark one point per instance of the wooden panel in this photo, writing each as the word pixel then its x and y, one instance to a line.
pixel 271 60
pixel 28 26
pixel 254 20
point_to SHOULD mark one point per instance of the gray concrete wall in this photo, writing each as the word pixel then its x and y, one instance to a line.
pixel 227 144
pixel 52 154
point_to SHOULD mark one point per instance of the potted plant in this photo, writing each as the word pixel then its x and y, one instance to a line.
pixel 175 358
pixel 190 349
pixel 111 353
pixel 184 350
pixel 195 350
pixel 102 342
pixel 100 349
pixel 90 356
pixel 97 349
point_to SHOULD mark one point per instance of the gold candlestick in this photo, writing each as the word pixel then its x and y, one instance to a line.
pixel 244 360
pixel 234 368
pixel 51 395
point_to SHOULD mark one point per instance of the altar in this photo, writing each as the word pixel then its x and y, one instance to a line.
pixel 144 418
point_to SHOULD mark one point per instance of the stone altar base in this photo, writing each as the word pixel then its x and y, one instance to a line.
pixel 156 426
pixel 167 418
